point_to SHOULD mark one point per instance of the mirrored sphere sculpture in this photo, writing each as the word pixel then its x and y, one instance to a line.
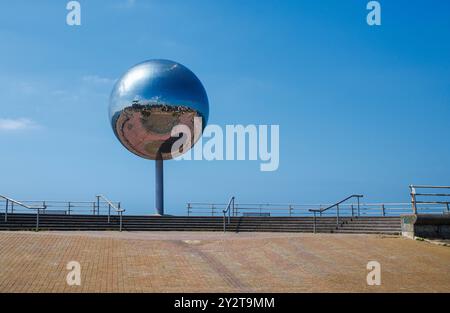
pixel 149 100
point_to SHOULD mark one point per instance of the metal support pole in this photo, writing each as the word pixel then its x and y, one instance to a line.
pixel 98 206
pixel 229 212
pixel 233 208
pixel 314 225
pixel 159 187
pixel 224 224
pixel 70 205
pixel 188 209
pixel 383 211
pixel 359 213
pixel 12 207
pixel 413 199
pixel 353 211
pixel 37 220
pixel 109 213
pixel 414 204
pixel 6 210
pixel 120 225
pixel 290 210
pixel 337 216
pixel 448 208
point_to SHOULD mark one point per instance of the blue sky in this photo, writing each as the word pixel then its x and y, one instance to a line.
pixel 361 109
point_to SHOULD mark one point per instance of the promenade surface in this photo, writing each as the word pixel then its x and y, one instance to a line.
pixel 217 262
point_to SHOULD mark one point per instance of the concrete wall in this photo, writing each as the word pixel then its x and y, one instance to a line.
pixel 426 226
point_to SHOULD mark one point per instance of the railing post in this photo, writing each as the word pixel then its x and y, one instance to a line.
pixel 359 212
pixel 337 216
pixel 413 199
pixel 383 212
pixel 37 220
pixel 353 210
pixel 70 206
pixel 314 224
pixel 229 213
pixel 234 210
pixel 188 209
pixel 290 210
pixel 109 213
pixel 448 208
pixel 224 224
pixel 44 206
pixel 98 205
pixel 121 222
pixel 6 210
pixel 12 207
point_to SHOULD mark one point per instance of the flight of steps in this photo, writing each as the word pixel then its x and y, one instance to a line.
pixel 371 225
pixel 381 225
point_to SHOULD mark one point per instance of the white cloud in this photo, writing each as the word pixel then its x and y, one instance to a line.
pixel 8 124
pixel 95 79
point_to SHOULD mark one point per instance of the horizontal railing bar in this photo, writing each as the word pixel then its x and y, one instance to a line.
pixel 21 204
pixel 336 204
pixel 117 209
pixel 430 187
pixel 433 194
pixel 302 205
pixel 433 202
pixel 72 202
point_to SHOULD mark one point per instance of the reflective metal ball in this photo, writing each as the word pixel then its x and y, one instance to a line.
pixel 149 100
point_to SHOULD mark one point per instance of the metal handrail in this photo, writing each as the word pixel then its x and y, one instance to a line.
pixel 415 194
pixel 345 209
pixel 22 205
pixel 68 207
pixel 111 205
pixel 429 187
pixel 228 210
pixel 336 205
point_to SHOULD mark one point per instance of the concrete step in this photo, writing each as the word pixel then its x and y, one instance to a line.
pixel 386 225
pixel 367 231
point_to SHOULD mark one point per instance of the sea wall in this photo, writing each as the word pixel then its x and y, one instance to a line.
pixel 426 226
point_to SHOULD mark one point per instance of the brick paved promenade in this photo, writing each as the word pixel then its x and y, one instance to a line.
pixel 216 262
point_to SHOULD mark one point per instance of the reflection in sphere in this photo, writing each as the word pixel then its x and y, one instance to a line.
pixel 149 100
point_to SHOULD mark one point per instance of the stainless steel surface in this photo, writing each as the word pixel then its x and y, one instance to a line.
pixel 297 210
pixel 149 100
pixel 68 207
pixel 434 198
pixel 336 205
pixel 21 204
pixel 228 209
pixel 111 205
pixel 61 207
pixel 159 187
